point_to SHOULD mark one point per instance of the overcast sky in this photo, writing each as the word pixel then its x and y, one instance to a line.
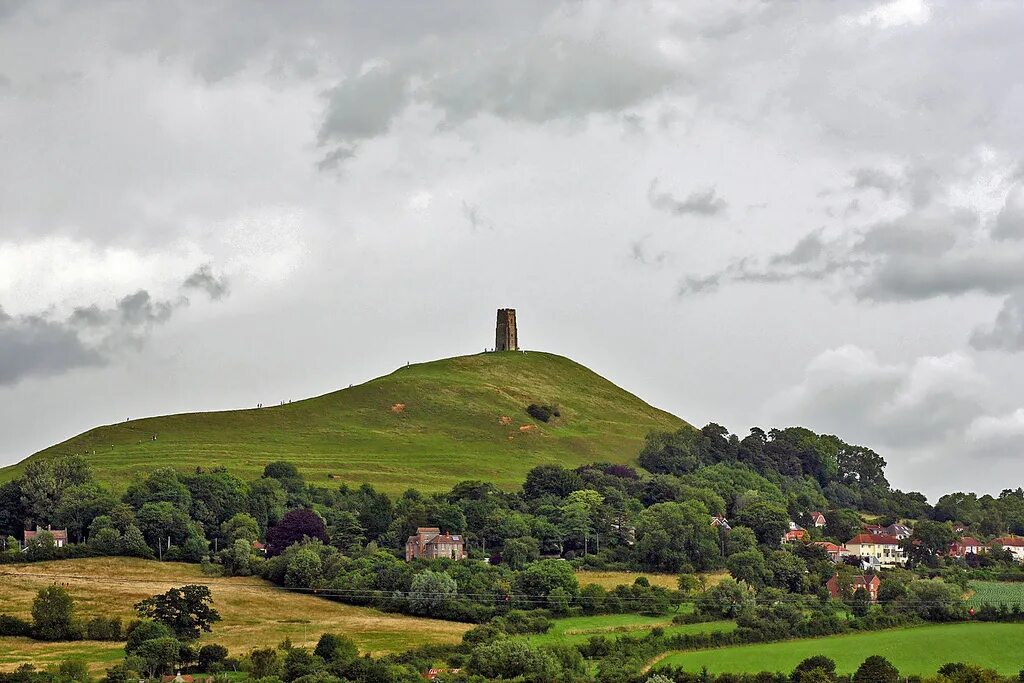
pixel 754 213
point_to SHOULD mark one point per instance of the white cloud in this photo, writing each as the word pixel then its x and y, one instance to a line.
pixel 895 13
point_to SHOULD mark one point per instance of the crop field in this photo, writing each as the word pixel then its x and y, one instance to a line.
pixel 579 629
pixel 429 425
pixel 914 651
pixel 996 593
pixel 254 612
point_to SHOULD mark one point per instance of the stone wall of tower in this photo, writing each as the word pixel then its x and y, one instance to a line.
pixel 505 336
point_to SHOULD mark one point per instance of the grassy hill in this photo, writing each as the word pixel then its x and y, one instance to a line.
pixel 425 426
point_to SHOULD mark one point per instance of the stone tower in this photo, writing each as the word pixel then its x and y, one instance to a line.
pixel 505 337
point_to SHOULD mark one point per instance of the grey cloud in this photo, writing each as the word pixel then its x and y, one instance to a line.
pixel 548 76
pixel 910 278
pixel 641 254
pixel 874 178
pixel 1007 332
pixel 40 345
pixel 34 346
pixel 475 218
pixel 204 279
pixel 915 234
pixel 1010 221
pixel 808 249
pixel 701 202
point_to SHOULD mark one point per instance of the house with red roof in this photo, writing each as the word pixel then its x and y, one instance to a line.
pixel 60 536
pixel 876 549
pixel 835 552
pixel 964 546
pixel 1012 544
pixel 817 519
pixel 869 582
pixel 795 533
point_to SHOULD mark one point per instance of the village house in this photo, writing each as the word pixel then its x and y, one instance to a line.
pixel 967 545
pixel 835 552
pixel 177 678
pixel 1012 544
pixel 817 519
pixel 719 522
pixel 900 531
pixel 869 582
pixel 885 551
pixel 429 543
pixel 60 536
pixel 795 533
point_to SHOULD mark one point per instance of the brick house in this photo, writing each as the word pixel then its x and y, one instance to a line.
pixel 60 536
pixel 869 582
pixel 429 543
pixel 885 551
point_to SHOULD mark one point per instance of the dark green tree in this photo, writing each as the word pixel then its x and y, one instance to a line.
pixel 187 611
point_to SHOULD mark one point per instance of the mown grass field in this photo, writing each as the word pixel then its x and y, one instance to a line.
pixel 426 426
pixel 914 651
pixel 579 629
pixel 996 593
pixel 254 612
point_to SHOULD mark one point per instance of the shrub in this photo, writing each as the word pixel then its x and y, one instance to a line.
pixel 14 626
pixel 544 413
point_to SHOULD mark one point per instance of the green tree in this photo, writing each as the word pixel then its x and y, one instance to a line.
pixel 860 603
pixel 750 568
pixel 519 552
pixel 431 592
pixel 53 615
pixel 187 611
pixel 740 539
pixel 876 669
pixel 105 542
pixel 241 526
pixel 305 569
pixel 264 663
pixel 671 536
pixel 727 600
pixel 769 522
pixel 818 663
pixel 134 543
pixel 333 648
pixel 211 655
pixel 159 655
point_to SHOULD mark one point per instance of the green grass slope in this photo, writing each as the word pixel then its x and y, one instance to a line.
pixel 425 426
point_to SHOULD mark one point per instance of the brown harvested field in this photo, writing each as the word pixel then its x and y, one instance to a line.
pixel 254 612
pixel 610 579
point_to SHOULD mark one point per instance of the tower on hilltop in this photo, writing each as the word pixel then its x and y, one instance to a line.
pixel 505 336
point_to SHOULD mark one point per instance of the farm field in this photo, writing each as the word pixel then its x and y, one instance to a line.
pixel 611 579
pixel 914 651
pixel 254 612
pixel 579 629
pixel 429 425
pixel 996 593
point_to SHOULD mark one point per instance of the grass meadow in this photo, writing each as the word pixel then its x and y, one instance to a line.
pixel 254 612
pixel 426 426
pixel 575 630
pixel 914 651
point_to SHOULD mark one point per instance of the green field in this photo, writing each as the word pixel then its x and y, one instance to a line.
pixel 426 426
pixel 254 612
pixel 914 651
pixel 996 593
pixel 579 629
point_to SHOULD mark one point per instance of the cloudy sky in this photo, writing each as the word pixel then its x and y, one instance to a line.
pixel 762 213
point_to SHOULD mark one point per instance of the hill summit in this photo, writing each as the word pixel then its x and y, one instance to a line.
pixel 425 426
